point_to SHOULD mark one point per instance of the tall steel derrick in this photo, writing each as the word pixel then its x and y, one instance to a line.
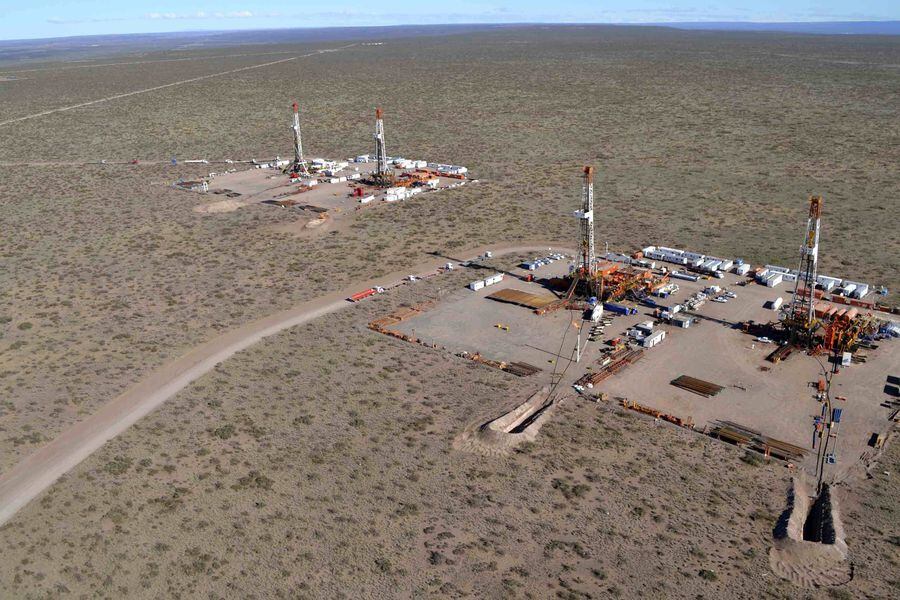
pixel 382 173
pixel 801 319
pixel 299 165
pixel 586 215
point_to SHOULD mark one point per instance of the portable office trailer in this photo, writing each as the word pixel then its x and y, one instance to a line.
pixel 847 289
pixel 653 339
pixel 685 276
pixel 646 326
pixel 742 269
pixel 726 265
pixel 827 283
pixel 774 279
pixel 778 269
pixel 476 285
pixel 673 251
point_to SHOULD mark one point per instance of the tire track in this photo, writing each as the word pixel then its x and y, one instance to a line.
pixel 168 85
pixel 139 62
pixel 39 470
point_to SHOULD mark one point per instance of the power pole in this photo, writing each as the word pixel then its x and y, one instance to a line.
pixel 299 165
pixel 801 318
pixel 381 166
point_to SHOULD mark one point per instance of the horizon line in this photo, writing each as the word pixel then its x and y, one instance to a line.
pixel 464 24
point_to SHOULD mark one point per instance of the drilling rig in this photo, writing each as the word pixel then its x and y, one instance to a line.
pixel 586 271
pixel 584 280
pixel 299 167
pixel 383 175
pixel 800 320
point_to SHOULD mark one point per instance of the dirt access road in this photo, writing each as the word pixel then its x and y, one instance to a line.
pixel 34 474
pixel 172 84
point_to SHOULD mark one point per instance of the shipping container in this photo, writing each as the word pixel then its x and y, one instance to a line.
pixel 619 309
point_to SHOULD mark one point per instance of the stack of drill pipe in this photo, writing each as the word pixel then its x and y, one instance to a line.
pixel 780 353
pixel 698 386
pixel 754 440
pixel 521 369
pixel 621 360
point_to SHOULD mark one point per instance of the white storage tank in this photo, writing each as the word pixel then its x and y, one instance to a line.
pixel 776 303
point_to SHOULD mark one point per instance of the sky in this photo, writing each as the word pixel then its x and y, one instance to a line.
pixel 23 19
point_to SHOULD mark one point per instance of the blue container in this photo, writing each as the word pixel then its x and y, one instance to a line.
pixel 836 414
pixel 615 308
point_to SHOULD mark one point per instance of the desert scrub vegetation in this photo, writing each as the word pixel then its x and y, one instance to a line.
pixel 287 459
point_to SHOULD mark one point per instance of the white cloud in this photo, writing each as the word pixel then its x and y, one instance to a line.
pixel 200 14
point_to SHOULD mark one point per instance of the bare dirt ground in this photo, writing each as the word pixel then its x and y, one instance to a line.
pixel 705 140
pixel 21 483
pixel 320 463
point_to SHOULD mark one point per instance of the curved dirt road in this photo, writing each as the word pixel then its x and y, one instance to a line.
pixel 35 473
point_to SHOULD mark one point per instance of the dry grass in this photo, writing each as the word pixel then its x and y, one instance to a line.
pixel 345 484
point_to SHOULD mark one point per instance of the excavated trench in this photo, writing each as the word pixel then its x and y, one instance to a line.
pixel 809 548
pixel 499 436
